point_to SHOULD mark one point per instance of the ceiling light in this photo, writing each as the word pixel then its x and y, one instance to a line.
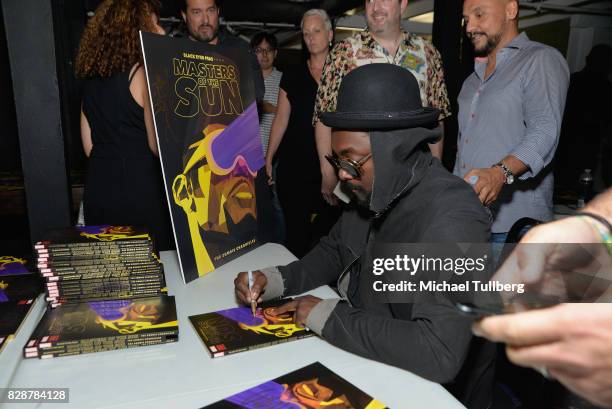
pixel 423 18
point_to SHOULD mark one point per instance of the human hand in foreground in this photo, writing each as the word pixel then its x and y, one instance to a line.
pixel 241 286
pixel 569 342
pixel 564 259
pixel 269 172
pixel 302 307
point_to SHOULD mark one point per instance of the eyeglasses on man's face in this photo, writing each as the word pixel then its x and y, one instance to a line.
pixel 260 50
pixel 353 168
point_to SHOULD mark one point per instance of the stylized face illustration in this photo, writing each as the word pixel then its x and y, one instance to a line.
pixel 263 322
pixel 141 312
pixel 127 316
pixel 217 193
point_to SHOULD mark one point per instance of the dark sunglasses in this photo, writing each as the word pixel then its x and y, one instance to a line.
pixel 353 168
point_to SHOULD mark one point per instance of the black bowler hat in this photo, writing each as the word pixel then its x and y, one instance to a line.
pixel 380 96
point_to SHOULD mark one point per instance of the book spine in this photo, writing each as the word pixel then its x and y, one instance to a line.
pixel 263 345
pixel 55 353
pixel 56 301
pixel 108 271
pixel 69 253
pixel 95 282
pixel 93 244
pixel 94 291
pixel 75 278
pixel 106 343
pixel 97 261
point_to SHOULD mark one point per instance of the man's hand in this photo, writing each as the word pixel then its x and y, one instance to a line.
pixel 329 180
pixel 489 184
pixel 269 173
pixel 563 259
pixel 572 341
pixel 241 287
pixel 302 307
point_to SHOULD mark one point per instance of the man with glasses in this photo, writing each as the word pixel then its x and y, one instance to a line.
pixel 201 18
pixel 380 132
pixel 265 46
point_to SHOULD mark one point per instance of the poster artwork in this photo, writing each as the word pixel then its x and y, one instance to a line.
pixel 207 130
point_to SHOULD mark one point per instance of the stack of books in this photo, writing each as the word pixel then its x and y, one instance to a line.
pixel 19 288
pixel 105 325
pixel 88 263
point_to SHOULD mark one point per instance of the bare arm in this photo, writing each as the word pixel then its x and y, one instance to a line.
pixel 601 205
pixel 277 131
pixel 328 174
pixel 140 92
pixel 86 134
pixel 268 107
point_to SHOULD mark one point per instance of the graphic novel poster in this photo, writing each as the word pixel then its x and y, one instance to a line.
pixel 208 135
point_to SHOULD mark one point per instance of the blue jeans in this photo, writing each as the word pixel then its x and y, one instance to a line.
pixel 498 240
pixel 497 245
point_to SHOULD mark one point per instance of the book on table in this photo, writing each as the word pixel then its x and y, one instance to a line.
pixel 311 387
pixel 236 329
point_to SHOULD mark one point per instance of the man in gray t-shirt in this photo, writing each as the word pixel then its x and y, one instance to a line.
pixel 264 45
pixel 510 112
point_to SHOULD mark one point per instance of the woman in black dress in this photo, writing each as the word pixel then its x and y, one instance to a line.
pixel 292 142
pixel 124 181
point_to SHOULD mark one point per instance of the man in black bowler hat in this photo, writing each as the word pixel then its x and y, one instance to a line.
pixel 380 133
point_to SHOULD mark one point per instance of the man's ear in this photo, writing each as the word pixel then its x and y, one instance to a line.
pixel 403 6
pixel 184 16
pixel 512 10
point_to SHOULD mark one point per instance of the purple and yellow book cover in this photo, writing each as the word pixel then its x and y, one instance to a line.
pixel 107 318
pixel 237 329
pixel 207 129
pixel 311 387
pixel 10 265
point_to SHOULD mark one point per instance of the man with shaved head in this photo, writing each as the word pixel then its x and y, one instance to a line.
pixel 510 112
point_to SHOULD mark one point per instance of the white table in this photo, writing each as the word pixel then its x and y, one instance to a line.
pixel 182 375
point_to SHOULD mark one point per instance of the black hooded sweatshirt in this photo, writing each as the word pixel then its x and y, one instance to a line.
pixel 414 200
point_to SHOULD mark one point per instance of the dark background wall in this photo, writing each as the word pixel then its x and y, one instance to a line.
pixel 9 143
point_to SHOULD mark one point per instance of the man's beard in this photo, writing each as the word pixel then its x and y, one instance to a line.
pixel 383 27
pixel 202 37
pixel 357 192
pixel 492 42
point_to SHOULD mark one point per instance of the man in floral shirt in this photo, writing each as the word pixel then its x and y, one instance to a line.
pixel 383 41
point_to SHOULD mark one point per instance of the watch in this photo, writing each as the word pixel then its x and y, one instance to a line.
pixel 507 173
